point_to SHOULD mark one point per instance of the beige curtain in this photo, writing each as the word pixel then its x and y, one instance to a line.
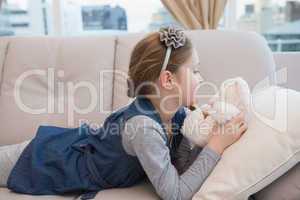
pixel 1 2
pixel 196 14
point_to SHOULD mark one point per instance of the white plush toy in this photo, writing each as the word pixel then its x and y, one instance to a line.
pixel 233 97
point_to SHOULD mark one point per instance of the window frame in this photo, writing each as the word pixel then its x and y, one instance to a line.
pixel 231 21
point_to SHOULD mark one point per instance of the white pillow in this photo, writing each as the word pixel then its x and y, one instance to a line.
pixel 268 149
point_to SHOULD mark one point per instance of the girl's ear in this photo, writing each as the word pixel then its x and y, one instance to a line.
pixel 166 80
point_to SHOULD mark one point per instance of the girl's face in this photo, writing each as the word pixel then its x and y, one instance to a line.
pixel 182 84
pixel 188 77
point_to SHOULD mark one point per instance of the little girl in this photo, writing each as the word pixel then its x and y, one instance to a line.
pixel 140 140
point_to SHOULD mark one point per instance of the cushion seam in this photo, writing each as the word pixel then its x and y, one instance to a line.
pixel 114 73
pixel 4 65
pixel 269 174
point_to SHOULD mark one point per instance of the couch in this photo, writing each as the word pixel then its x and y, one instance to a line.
pixel 65 81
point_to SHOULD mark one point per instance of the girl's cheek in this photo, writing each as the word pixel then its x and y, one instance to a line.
pixel 194 92
pixel 194 82
pixel 191 89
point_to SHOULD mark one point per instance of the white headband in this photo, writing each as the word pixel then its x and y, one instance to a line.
pixel 167 57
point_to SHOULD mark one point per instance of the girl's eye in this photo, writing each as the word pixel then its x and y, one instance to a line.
pixel 195 71
pixel 198 75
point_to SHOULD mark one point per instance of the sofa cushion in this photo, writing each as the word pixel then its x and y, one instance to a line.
pixel 61 81
pixel 227 54
pixel 269 148
pixel 285 187
pixel 222 54
pixel 124 47
pixel 6 194
pixel 142 191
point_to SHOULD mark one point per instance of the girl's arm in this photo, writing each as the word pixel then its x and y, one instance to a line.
pixel 144 138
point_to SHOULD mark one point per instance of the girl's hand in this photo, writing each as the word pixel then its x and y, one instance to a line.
pixel 225 135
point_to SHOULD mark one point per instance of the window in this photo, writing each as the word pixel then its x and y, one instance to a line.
pixel 24 17
pixel 82 17
pixel 114 16
pixel 277 20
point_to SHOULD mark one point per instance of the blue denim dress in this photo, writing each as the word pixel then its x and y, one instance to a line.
pixel 84 160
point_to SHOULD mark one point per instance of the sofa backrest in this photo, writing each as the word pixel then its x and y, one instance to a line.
pixel 223 55
pixel 53 81
pixel 288 69
pixel 67 81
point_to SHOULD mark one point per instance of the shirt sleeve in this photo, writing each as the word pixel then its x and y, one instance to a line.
pixel 185 155
pixel 148 143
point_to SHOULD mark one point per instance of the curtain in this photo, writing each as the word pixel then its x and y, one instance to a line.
pixel 1 2
pixel 196 14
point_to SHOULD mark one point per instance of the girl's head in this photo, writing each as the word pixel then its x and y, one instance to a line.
pixel 177 80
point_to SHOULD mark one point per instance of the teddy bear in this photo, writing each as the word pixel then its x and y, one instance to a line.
pixel 232 98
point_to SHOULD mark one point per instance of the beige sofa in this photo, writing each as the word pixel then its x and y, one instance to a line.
pixel 288 69
pixel 63 81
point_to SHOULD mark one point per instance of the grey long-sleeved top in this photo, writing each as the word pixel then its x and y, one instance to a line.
pixel 143 137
